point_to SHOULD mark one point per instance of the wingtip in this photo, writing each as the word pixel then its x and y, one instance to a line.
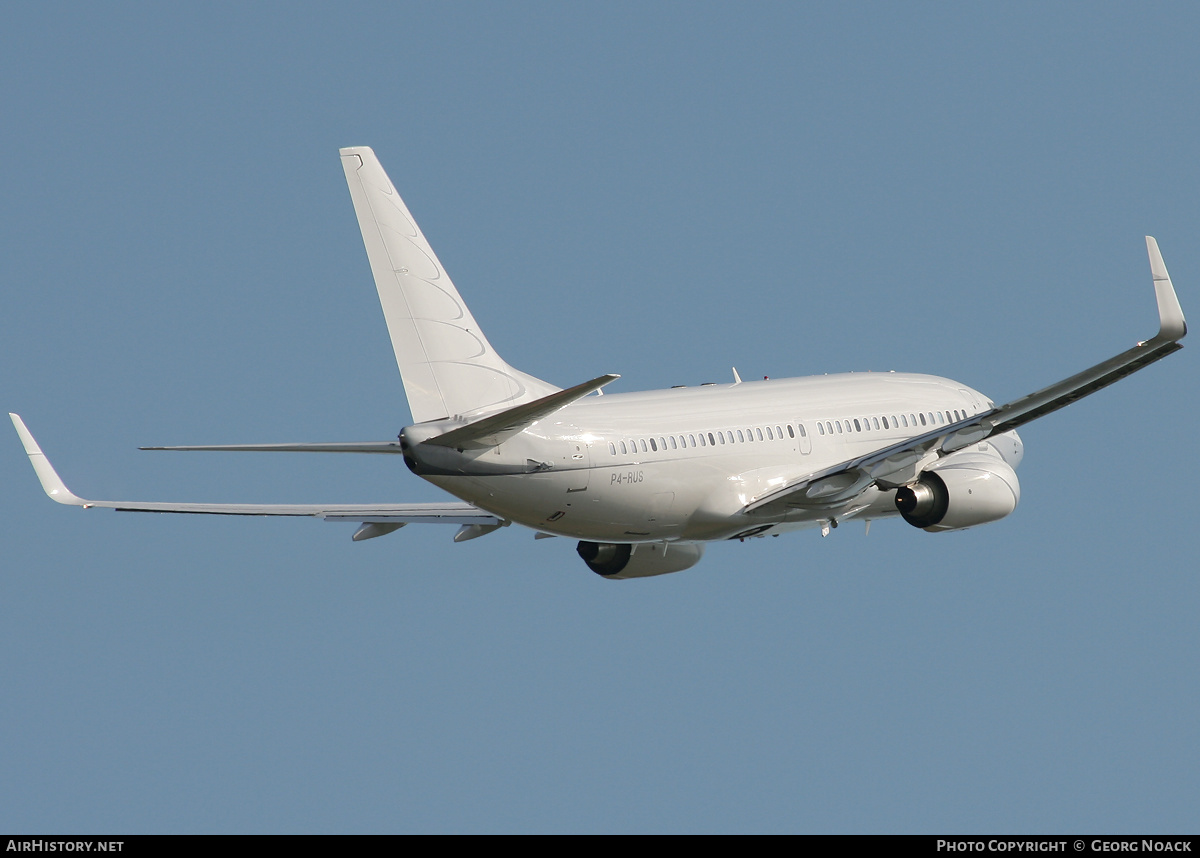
pixel 30 445
pixel 1157 267
pixel 51 482
pixel 1172 325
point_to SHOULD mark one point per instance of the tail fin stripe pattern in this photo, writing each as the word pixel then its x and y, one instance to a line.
pixel 447 365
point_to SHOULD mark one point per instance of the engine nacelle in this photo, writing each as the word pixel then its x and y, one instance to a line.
pixel 961 491
pixel 619 560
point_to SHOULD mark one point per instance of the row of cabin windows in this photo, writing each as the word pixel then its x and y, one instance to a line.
pixel 706 439
pixel 902 421
pixel 827 427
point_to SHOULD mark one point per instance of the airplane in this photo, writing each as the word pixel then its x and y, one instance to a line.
pixel 645 480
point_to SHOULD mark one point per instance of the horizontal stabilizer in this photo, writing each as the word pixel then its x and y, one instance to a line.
pixel 333 447
pixel 494 430
pixel 450 512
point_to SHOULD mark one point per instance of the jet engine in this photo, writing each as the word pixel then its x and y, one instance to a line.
pixel 961 491
pixel 621 560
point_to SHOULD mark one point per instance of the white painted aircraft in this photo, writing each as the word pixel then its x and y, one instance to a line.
pixel 644 480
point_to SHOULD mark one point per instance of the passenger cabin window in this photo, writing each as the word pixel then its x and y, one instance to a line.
pixel 612 448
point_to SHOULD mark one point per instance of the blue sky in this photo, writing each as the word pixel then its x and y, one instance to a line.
pixel 662 191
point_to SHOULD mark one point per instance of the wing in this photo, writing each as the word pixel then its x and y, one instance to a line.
pixel 332 447
pixel 894 465
pixel 377 519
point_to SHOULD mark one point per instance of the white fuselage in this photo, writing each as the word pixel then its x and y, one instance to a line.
pixel 681 464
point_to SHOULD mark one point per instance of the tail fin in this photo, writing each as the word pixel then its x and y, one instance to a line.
pixel 447 364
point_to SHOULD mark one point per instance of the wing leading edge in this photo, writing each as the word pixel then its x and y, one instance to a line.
pixel 383 517
pixel 894 465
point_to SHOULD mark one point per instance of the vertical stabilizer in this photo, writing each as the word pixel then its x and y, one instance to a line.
pixel 447 364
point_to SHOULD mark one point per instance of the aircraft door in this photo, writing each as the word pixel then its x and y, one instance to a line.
pixel 577 464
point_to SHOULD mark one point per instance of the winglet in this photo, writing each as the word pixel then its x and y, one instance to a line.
pixel 51 481
pixel 1172 325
